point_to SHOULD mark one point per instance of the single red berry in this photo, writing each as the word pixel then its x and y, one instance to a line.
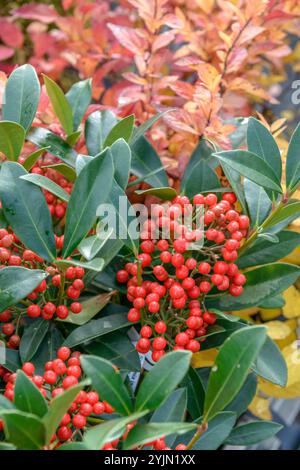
pixel 63 353
pixel 69 381
pixel 211 199
pixel 8 329
pixel 235 291
pixel 49 308
pixel 33 311
pixel 78 284
pixel 122 276
pixel 85 409
pixel 76 307
pixel 220 267
pixel 157 355
pixel 99 408
pixel 230 197
pixel 204 268
pixel 204 287
pixel 79 272
pixel 92 398
pixel 159 343
pixel 133 315
pixel 153 307
pixel 143 345
pixel 193 346
pixel 199 199
pixel 160 327
pixel 209 318
pixel 181 339
pixel 64 433
pixel 180 245
pixel 146 331
pixel 28 368
pixel 62 312
pixel 50 377
pixel 79 421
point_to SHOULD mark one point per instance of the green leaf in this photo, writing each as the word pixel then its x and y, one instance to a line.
pixel 140 131
pixel 166 194
pixel 97 436
pixel 22 95
pixel 234 179
pixel 292 161
pixel 12 137
pixel 96 264
pixel 32 337
pixel 122 130
pixel 91 189
pixel 270 364
pixel 81 162
pixel 89 247
pixel 47 184
pixel 47 350
pixel 195 393
pixel 107 382
pixel 202 152
pixel 262 282
pixel 64 170
pixel 231 368
pixel 27 397
pixel 5 403
pixel 117 348
pixel 33 158
pixel 12 360
pixel 270 237
pixel 252 433
pixel 24 430
pixel 59 406
pixel 7 446
pixel 97 128
pixel 127 229
pixel 145 161
pixel 264 251
pixel 56 145
pixel 90 308
pixel 121 156
pixel 258 202
pixel 96 328
pixel 240 403
pixel 26 211
pixel 276 301
pixel 73 138
pixel 162 380
pixel 288 212
pixel 261 142
pixel 143 433
pixel 60 104
pixel 251 166
pixel 172 410
pixel 16 283
pixel 218 430
pixel 79 97
pixel 73 446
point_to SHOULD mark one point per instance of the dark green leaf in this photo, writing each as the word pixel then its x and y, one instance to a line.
pixel 90 246
pixel 231 368
pixel 270 364
pixel 240 403
pixel 107 382
pixel 122 130
pixel 97 127
pixel 7 446
pixel 195 393
pixel 27 397
pixel 96 328
pixel 234 179
pixel 145 161
pixel 33 158
pixel 16 283
pixel 166 194
pixel 287 212
pixel 121 155
pixel 96 264
pixel 293 162
pixel 12 360
pixel 90 308
pixel 24 430
pixel 5 403
pixel 47 350
pixel 47 184
pixel 251 166
pixel 203 152
pixel 26 211
pixel 56 145
pixel 258 202
pixel 33 336
pixel 22 95
pixel 218 430
pixel 60 104
pixel 264 251
pixel 64 170
pixel 276 301
pixel 252 433
pixel 79 98
pixel 90 190
pixel 12 137
pixel 162 380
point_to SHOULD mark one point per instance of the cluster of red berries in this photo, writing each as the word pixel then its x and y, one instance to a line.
pixel 169 281
pixel 61 374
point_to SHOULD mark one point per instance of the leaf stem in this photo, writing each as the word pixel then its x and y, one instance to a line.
pixel 201 429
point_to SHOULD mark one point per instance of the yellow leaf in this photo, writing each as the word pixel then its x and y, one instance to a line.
pixel 204 358
pixel 246 312
pixel 281 333
pixel 206 5
pixel 291 309
pixel 294 256
pixel 260 407
pixel 269 313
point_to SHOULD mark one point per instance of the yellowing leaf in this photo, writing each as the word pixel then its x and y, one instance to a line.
pixel 246 312
pixel 291 309
pixel 281 333
pixel 269 313
pixel 204 358
pixel 260 407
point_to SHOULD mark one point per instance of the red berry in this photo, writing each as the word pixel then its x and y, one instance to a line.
pixel 33 311
pixel 133 315
pixel 99 408
pixel 199 199
pixel 78 284
pixel 235 291
pixel 165 257
pixel 160 327
pixel 143 345
pixel 85 409
pixel 28 368
pixel 153 307
pixel 92 398
pixel 177 260
pixel 79 272
pixel 180 245
pixel 122 276
pixel 63 353
pixel 230 197
pixel 76 307
pixel 50 377
pixel 64 433
pixel 69 381
pixel 159 343
pixel 49 308
pixel 220 267
pixel 211 199
pixel 193 346
pixel 181 339
pixel 239 279
pixel 79 421
pixel 244 222
pixel 157 355
pixel 209 318
pixel 204 287
pixel 147 246
pixel 62 311
pixel 70 273
pixel 176 292
pixel 146 331
pixel 204 268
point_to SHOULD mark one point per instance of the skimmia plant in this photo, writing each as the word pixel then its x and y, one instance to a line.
pixel 91 282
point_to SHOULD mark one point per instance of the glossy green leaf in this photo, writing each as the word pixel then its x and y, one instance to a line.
pixel 145 161
pixel 59 406
pixel 251 166
pixel 90 246
pixel 261 142
pixel 96 328
pixel 235 182
pixel 166 194
pixel 270 364
pixel 121 155
pixel 242 400
pixel 276 301
pixel 97 128
pixel 60 104
pixel 292 161
pixel 32 337
pixel 12 137
pixel 287 213
pixel 81 162
pixel 117 348
pixel 64 170
pixel 97 436
pixel 33 158
pixel 252 433
pixel 47 184
pixel 202 152
pixel 263 251
pixel 140 131
pixel 231 368
pixel 162 380
pixel 258 202
pixel 16 283
pixel 203 178
pixel 27 397
pixel 91 188
pixel 7 446
pixel 22 95
pixel 262 282
pixel 47 350
pixel 122 130
pixel 96 264
pixel 79 97
pixel 108 383
pixel 24 430
pixel 5 403
pixel 56 145
pixel 26 211
pixel 90 308
pixel 12 360
pixel 195 393
pixel 73 138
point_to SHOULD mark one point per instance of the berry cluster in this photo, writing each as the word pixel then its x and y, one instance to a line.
pixel 170 280
pixel 61 374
